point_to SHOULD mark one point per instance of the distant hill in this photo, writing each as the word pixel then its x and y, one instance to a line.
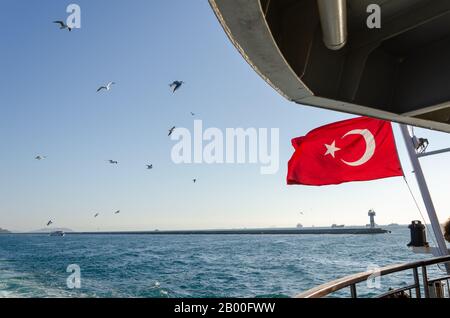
pixel 52 229
pixel 3 231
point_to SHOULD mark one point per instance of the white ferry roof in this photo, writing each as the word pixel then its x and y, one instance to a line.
pixel 399 72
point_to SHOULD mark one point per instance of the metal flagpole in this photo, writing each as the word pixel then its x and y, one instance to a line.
pixel 414 157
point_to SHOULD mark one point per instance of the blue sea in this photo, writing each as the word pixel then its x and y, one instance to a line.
pixel 194 265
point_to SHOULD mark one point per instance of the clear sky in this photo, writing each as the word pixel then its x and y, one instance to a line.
pixel 49 106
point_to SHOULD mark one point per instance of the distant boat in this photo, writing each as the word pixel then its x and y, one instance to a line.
pixel 335 225
pixel 57 233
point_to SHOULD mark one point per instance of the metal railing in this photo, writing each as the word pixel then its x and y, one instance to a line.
pixel 421 285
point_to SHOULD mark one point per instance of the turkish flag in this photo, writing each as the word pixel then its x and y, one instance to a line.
pixel 357 149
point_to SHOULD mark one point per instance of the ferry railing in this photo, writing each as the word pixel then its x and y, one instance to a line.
pixel 421 282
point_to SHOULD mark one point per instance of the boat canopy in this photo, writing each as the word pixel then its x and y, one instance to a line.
pixel 323 53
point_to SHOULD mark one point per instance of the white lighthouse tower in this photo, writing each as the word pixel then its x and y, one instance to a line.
pixel 371 215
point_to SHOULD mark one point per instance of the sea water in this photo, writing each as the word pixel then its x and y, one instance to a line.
pixel 196 265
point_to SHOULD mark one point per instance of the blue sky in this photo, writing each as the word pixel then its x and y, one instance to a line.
pixel 49 106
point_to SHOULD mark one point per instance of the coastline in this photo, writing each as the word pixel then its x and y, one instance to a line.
pixel 261 231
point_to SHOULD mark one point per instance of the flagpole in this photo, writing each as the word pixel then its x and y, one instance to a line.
pixel 426 196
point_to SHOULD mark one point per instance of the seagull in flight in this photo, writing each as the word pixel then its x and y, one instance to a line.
pixel 150 166
pixel 176 85
pixel 194 180
pixel 62 25
pixel 117 212
pixel 171 131
pixel 107 87
pixel 113 162
pixel 96 214
pixel 192 114
pixel 40 157
pixel 49 223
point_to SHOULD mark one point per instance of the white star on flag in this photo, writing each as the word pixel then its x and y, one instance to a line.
pixel 331 149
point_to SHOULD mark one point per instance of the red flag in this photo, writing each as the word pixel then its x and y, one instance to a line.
pixel 357 149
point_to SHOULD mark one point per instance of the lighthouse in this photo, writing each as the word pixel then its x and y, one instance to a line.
pixel 371 215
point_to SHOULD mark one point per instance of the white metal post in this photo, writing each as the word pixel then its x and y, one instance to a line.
pixel 424 190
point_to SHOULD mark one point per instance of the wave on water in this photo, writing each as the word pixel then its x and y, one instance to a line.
pixel 193 265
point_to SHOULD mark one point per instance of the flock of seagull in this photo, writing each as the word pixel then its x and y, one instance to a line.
pixel 175 85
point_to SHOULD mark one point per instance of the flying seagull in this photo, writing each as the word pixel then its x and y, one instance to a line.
pixel 62 25
pixel 171 130
pixel 194 180
pixel 113 162
pixel 117 212
pixel 107 87
pixel 96 214
pixel 176 85
pixel 149 166
pixel 192 114
pixel 40 157
pixel 49 223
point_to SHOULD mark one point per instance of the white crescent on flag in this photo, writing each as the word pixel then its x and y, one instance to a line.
pixel 370 146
